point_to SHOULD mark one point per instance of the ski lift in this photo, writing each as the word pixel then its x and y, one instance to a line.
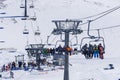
pixel 22 6
pixel 25 31
pixel 92 38
pixel 76 41
pixel 33 18
pixel 1 27
pixel 95 40
pixel 31 5
pixel 37 32
pixel 49 44
pixel 3 13
pixel 58 42
pixel 101 39
pixel 2 41
pixel 24 18
pixel 98 40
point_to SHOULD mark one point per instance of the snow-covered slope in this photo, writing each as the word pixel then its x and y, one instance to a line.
pixel 81 69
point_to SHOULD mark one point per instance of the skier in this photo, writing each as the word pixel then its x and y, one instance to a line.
pixel 68 49
pixel 84 50
pixel 90 51
pixel 59 49
pixel 96 51
pixel 101 51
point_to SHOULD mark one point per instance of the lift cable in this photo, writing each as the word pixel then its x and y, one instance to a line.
pixel 101 12
pixel 108 12
pixel 116 26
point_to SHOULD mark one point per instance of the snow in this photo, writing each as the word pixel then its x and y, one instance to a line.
pixel 48 10
pixel 81 69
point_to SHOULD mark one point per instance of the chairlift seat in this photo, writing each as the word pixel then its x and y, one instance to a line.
pixel 3 13
pixel 23 18
pixel 1 28
pixel 22 6
pixel 31 6
pixel 37 33
pixel 74 45
pixel 25 31
pixel 33 18
pixel 92 37
pixel 2 41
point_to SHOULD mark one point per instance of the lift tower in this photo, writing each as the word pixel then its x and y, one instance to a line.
pixel 66 27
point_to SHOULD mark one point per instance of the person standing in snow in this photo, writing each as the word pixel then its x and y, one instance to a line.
pixel 11 74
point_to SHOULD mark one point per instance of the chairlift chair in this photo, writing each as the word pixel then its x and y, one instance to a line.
pixel 58 41
pixel 33 18
pixel 22 6
pixel 95 39
pixel 25 31
pixel 49 44
pixel 82 41
pixel 37 32
pixel 24 18
pixel 99 40
pixel 2 41
pixel 76 42
pixel 1 27
pixel 31 5
pixel 3 13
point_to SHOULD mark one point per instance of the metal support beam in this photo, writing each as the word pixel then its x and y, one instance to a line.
pixel 25 8
pixel 66 66
pixel 67 27
pixel 38 58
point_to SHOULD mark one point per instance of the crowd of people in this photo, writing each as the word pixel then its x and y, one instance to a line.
pixel 13 65
pixel 43 60
pixel 89 51
pixel 93 51
pixel 20 65
pixel 58 50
